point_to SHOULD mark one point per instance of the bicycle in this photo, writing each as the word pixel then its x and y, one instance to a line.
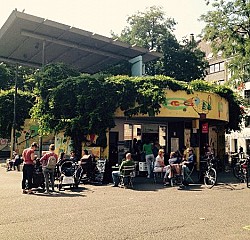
pixel 241 170
pixel 210 175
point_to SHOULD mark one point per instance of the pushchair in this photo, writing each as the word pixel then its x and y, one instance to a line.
pixel 66 175
pixel 90 171
pixel 38 177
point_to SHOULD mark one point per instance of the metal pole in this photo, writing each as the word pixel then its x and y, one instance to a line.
pixel 13 130
pixel 43 63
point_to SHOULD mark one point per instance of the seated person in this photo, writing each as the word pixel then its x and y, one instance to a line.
pixel 159 165
pixel 73 157
pixel 10 164
pixel 86 163
pixel 116 174
pixel 17 161
pixel 188 164
pixel 174 167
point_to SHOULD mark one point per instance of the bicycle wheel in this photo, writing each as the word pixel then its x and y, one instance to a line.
pixel 78 176
pixel 238 173
pixel 247 176
pixel 210 178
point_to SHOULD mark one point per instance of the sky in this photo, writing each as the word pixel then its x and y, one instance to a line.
pixel 102 16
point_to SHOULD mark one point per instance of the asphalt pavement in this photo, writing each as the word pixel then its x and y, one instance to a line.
pixel 149 211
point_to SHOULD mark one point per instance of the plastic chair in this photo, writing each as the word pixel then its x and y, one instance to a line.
pixel 176 175
pixel 187 175
pixel 127 176
pixel 158 174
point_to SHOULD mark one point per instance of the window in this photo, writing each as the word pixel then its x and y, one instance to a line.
pixel 222 66
pixel 211 69
pixel 221 82
pixel 217 67
pixel 247 121
pixel 128 131
pixel 247 96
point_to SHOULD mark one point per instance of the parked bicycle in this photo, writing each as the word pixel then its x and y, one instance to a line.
pixel 210 175
pixel 241 170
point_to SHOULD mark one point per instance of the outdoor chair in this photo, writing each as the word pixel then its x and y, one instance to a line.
pixel 176 175
pixel 127 176
pixel 189 173
pixel 158 175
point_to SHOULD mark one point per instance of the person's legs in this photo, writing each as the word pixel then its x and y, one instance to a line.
pixel 24 178
pixel 30 169
pixel 116 177
pixel 185 171
pixel 46 178
pixel 149 161
pixel 52 179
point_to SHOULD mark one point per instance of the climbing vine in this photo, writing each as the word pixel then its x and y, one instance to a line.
pixel 85 104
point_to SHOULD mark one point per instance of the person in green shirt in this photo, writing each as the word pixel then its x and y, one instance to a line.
pixel 126 162
pixel 148 150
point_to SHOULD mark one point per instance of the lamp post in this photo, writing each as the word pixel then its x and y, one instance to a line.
pixel 13 129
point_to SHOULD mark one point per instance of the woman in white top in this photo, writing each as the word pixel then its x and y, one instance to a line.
pixel 159 165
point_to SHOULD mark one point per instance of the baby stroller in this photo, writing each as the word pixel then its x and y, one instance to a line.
pixel 66 175
pixel 38 177
pixel 90 171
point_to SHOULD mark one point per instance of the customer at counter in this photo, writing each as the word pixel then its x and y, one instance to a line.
pixel 148 150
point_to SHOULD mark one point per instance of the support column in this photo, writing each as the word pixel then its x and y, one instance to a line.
pixel 137 67
pixel 13 130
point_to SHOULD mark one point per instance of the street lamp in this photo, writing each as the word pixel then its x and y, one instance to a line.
pixel 13 129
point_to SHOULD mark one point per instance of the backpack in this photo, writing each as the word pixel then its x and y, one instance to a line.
pixel 51 164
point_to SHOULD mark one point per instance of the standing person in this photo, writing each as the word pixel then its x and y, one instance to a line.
pixel 241 152
pixel 156 148
pixel 48 162
pixel 28 156
pixel 147 149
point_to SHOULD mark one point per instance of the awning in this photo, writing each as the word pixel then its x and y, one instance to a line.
pixel 23 38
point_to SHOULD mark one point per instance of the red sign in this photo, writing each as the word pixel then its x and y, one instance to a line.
pixel 204 128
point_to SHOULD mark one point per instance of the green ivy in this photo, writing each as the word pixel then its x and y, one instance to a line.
pixel 85 104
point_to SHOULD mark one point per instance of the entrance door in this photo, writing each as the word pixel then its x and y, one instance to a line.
pixel 113 147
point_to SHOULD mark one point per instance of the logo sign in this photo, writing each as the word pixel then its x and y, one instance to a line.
pixel 204 128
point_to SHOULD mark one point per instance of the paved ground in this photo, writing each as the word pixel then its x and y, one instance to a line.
pixel 150 211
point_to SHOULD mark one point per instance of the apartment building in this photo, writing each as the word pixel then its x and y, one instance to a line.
pixel 218 72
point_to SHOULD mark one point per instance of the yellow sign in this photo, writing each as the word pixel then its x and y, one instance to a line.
pixel 196 105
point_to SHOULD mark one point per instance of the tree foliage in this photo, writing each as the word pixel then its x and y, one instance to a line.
pixel 24 102
pixel 152 30
pixel 85 104
pixel 8 75
pixel 228 29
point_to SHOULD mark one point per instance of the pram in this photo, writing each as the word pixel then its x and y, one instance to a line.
pixel 38 177
pixel 91 171
pixel 66 175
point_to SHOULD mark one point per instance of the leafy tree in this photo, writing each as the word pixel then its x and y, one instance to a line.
pixel 228 29
pixel 152 30
pixel 8 75
pixel 24 102
pixel 85 104
pixel 183 61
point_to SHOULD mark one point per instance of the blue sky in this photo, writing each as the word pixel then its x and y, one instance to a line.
pixel 102 16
